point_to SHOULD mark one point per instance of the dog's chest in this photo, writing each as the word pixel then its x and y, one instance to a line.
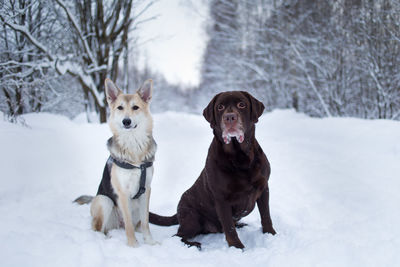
pixel 243 187
pixel 129 179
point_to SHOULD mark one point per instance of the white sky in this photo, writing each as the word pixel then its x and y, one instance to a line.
pixel 175 41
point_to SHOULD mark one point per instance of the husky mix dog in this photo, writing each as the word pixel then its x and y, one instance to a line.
pixel 123 195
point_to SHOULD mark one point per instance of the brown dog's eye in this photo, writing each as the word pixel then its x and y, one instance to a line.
pixel 220 107
pixel 120 107
pixel 241 105
pixel 135 107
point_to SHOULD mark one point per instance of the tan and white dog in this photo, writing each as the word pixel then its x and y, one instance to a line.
pixel 124 192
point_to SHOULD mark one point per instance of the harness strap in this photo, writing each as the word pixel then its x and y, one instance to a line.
pixel 142 167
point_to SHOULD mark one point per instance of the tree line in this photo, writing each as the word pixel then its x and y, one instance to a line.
pixel 323 58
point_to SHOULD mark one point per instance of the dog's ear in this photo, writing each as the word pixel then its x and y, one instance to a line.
pixel 146 90
pixel 256 107
pixel 112 91
pixel 208 112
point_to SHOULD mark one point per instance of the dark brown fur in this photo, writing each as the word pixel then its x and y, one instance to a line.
pixel 234 179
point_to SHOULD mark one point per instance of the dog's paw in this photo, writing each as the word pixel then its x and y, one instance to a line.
pixel 151 242
pixel 240 225
pixel 269 229
pixel 238 245
pixel 133 243
pixel 191 243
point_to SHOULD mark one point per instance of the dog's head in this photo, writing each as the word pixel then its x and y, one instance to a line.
pixel 233 114
pixel 129 112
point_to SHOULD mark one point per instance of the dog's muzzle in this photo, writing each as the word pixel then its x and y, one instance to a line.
pixel 127 123
pixel 231 127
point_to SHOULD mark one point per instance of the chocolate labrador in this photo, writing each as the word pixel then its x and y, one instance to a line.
pixel 234 179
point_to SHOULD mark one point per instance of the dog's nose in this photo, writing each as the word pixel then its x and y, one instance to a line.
pixel 230 117
pixel 126 122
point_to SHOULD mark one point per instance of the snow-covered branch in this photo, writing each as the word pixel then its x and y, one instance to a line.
pixel 310 80
pixel 73 20
pixel 25 31
pixel 62 68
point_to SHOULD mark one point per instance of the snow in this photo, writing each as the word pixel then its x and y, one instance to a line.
pixel 334 193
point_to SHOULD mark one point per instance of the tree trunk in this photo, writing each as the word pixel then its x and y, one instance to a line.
pixel 103 114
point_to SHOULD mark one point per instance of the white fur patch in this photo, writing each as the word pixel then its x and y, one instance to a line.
pixel 228 135
pixel 235 131
pixel 130 179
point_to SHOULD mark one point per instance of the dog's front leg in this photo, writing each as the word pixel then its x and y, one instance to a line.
pixel 124 207
pixel 123 203
pixel 144 217
pixel 224 212
pixel 263 207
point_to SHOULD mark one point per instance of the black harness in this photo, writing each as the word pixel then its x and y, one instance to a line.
pixel 142 167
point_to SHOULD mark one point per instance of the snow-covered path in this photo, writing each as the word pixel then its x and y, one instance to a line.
pixel 334 194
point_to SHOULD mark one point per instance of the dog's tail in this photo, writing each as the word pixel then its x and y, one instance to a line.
pixel 84 199
pixel 163 220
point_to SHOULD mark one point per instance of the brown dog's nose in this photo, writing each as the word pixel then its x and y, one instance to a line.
pixel 230 117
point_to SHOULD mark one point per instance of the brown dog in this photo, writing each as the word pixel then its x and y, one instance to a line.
pixel 235 176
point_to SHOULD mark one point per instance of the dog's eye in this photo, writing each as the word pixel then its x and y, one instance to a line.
pixel 220 107
pixel 120 107
pixel 241 105
pixel 135 107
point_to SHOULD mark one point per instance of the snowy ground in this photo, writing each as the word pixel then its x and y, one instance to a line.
pixel 334 194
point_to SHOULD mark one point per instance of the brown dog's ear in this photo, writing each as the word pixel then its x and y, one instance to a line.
pixel 112 91
pixel 256 107
pixel 208 112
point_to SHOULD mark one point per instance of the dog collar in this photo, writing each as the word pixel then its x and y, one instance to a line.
pixel 128 166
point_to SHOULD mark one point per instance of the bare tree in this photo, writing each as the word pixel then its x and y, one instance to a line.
pixel 22 65
pixel 86 39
